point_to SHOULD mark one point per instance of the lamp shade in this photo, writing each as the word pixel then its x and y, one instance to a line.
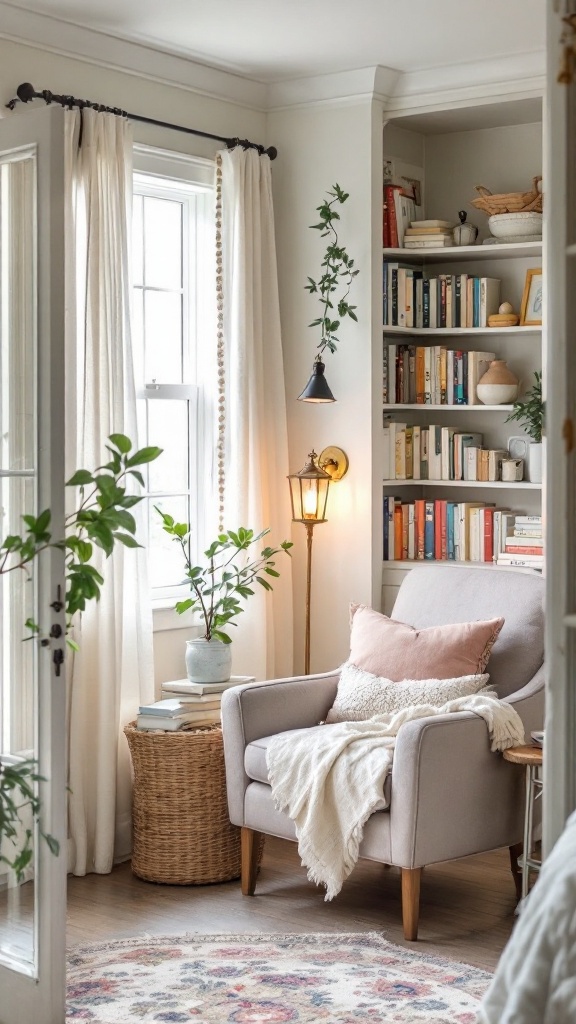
pixel 317 389
pixel 309 492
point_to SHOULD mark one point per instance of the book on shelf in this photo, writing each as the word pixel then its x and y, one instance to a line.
pixel 431 225
pixel 446 300
pixel 185 686
pixel 171 724
pixel 430 242
pixel 207 701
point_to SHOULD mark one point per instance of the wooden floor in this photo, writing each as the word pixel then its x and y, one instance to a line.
pixel 467 906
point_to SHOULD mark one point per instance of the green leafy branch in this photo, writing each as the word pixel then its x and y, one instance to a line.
pixel 530 414
pixel 220 587
pixel 17 792
pixel 338 273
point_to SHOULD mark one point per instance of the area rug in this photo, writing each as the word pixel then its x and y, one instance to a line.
pixel 269 979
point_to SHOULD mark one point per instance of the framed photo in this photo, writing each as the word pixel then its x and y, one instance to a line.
pixel 531 308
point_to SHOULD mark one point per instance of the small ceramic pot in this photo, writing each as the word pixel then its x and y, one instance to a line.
pixel 498 385
pixel 208 661
pixel 512 469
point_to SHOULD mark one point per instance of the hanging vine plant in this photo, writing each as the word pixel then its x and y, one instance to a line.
pixel 332 288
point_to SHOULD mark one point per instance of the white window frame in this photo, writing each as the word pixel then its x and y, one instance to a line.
pixel 171 175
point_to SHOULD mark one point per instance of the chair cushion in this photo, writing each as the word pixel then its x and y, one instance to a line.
pixel 362 695
pixel 396 650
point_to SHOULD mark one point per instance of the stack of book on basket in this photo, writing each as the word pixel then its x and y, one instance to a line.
pixel 185 705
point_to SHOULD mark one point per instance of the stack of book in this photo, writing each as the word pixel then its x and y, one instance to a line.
pixel 448 300
pixel 524 545
pixel 431 375
pixel 186 704
pixel 428 234
pixel 400 209
pixel 413 452
pixel 442 530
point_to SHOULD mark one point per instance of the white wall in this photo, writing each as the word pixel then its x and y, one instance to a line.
pixel 318 147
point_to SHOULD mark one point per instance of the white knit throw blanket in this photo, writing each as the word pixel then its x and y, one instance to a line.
pixel 330 778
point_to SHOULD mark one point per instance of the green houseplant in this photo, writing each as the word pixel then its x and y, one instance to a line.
pixel 218 590
pixel 102 519
pixel 332 288
pixel 530 415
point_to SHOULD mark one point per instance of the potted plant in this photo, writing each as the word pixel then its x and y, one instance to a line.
pixel 530 415
pixel 102 519
pixel 218 590
pixel 337 273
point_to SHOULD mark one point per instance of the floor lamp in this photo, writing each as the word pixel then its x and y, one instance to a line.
pixel 309 494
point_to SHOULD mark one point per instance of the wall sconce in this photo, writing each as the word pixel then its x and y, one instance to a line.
pixel 317 389
pixel 309 495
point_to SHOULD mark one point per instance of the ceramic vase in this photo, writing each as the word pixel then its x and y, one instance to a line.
pixel 535 462
pixel 498 385
pixel 208 661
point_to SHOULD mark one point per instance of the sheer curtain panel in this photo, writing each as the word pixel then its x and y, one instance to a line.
pixel 113 671
pixel 254 443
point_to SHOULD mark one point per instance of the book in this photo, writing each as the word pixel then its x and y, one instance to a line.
pixel 185 686
pixel 168 724
pixel 431 224
pixel 478 363
pixel 191 701
pixel 489 299
pixel 169 707
pixel 515 549
pixel 428 233
pixel 525 542
pixel 429 530
pixel 426 243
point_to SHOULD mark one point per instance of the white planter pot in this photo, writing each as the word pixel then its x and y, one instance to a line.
pixel 208 661
pixel 535 462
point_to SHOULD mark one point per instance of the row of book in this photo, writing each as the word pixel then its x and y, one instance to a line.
pixel 431 374
pixel 448 300
pixel 186 705
pixel 465 531
pixel 435 452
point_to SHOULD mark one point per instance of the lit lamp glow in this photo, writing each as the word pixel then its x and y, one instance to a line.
pixel 309 495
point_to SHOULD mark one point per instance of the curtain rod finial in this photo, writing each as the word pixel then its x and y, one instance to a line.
pixel 25 92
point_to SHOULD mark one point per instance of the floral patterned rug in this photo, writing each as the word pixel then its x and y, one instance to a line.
pixel 269 979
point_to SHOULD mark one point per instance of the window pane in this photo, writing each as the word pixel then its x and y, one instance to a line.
pixel 137 241
pixel 168 428
pixel 166 561
pixel 162 243
pixel 138 335
pixel 163 330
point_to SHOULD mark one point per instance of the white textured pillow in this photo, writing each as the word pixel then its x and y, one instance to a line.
pixel 362 695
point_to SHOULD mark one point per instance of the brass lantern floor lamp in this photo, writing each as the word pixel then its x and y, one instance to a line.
pixel 309 495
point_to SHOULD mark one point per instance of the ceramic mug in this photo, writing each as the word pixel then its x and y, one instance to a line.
pixel 512 469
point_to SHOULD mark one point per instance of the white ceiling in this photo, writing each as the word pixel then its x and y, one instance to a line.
pixel 273 40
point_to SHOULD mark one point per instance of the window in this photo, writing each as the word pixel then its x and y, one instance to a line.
pixel 173 340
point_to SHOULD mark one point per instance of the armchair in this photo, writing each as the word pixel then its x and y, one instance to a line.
pixel 450 796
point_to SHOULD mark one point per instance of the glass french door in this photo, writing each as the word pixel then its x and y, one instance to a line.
pixel 32 678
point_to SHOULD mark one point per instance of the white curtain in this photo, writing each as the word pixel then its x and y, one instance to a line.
pixel 113 671
pixel 256 491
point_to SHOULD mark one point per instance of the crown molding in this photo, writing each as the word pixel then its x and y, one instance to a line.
pixel 342 88
pixel 517 76
pixel 55 36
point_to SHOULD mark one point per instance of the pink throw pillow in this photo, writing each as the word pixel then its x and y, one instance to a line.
pixel 397 651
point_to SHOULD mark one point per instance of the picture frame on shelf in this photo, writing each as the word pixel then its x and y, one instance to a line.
pixel 531 308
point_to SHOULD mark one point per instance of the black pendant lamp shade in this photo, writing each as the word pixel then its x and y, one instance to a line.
pixel 317 389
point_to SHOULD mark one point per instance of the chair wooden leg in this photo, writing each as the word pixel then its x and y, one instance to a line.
pixel 516 852
pixel 250 851
pixel 411 902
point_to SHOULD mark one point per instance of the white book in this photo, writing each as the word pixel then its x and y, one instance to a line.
pixel 434 452
pixel 433 295
pixel 431 224
pixel 447 447
pixel 474 552
pixel 521 531
pixel 206 701
pixel 527 561
pixel 471 463
pixel 495 459
pixel 489 298
pixel 524 520
pixel 508 519
pixel 185 686
pixel 428 362
pixel 411 532
pixel 169 707
pixel 178 721
pixel 386 452
pixel 525 542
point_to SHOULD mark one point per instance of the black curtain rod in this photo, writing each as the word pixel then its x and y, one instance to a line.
pixel 27 92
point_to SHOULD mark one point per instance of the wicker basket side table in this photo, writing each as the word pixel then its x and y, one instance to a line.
pixel 181 831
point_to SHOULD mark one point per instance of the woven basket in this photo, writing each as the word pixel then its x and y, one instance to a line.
pixel 509 202
pixel 181 831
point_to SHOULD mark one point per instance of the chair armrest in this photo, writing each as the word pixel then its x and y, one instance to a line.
pixel 264 709
pixel 451 795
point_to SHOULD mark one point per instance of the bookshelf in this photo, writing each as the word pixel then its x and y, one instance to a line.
pixel 449 163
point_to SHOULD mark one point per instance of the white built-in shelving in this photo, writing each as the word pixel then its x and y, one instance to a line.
pixel 504 158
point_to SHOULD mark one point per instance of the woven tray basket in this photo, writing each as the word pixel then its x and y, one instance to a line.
pixel 509 202
pixel 181 831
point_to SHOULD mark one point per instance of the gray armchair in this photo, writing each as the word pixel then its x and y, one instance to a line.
pixel 450 796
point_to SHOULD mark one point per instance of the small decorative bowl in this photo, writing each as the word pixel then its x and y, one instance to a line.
pixel 506 225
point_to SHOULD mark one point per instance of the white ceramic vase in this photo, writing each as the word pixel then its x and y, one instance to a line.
pixel 208 661
pixel 535 462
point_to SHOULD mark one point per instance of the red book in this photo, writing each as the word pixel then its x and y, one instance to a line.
pixel 443 532
pixel 516 549
pixel 488 517
pixel 386 225
pixel 398 530
pixel 391 210
pixel 419 520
